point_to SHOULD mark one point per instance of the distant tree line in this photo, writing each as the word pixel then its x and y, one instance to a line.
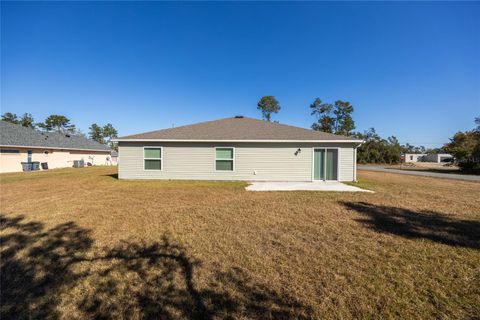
pixel 59 123
pixel 376 149
pixel 465 147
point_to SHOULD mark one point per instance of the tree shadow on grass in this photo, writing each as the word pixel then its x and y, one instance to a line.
pixel 429 225
pixel 50 273
pixel 34 263
pixel 113 175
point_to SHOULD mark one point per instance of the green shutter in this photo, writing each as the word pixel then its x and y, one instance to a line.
pixel 224 153
pixel 224 165
pixel 153 153
pixel 153 164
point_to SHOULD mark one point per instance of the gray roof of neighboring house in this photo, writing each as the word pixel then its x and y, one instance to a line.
pixel 238 129
pixel 16 135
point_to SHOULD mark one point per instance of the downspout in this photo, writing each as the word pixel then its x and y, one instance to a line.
pixel 355 162
pixel 355 165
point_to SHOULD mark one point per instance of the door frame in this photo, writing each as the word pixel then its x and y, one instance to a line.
pixel 325 167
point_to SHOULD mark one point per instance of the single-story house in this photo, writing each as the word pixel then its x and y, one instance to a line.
pixel 414 157
pixel 25 145
pixel 428 157
pixel 238 148
pixel 438 157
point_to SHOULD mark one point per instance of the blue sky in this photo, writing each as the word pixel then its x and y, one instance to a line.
pixel 410 69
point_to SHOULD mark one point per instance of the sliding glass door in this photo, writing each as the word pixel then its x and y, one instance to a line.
pixel 332 164
pixel 319 164
pixel 325 164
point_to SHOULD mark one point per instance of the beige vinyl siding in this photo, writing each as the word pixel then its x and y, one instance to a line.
pixel 196 161
pixel 55 158
pixel 346 164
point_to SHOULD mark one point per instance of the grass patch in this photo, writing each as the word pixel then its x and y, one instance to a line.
pixel 434 168
pixel 363 184
pixel 79 244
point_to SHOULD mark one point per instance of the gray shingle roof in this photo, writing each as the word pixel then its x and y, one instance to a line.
pixel 16 135
pixel 238 129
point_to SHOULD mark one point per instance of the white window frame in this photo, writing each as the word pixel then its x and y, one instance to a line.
pixel 232 159
pixel 325 168
pixel 161 157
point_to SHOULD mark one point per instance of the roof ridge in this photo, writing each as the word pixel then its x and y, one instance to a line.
pixel 237 129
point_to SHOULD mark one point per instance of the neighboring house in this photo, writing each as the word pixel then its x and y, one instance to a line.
pixel 414 157
pixel 238 149
pixel 428 157
pixel 438 157
pixel 19 144
pixel 114 155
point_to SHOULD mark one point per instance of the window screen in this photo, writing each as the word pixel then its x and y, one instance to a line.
pixel 224 158
pixel 152 157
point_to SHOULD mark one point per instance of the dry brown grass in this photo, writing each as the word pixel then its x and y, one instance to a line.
pixel 430 167
pixel 80 244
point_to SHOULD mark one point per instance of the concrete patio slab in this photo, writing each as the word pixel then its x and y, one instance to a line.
pixel 303 186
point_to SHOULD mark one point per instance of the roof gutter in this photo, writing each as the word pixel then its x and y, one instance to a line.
pixel 259 141
pixel 53 148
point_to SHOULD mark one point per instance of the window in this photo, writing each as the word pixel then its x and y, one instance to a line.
pixel 411 157
pixel 9 151
pixel 152 158
pixel 224 159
